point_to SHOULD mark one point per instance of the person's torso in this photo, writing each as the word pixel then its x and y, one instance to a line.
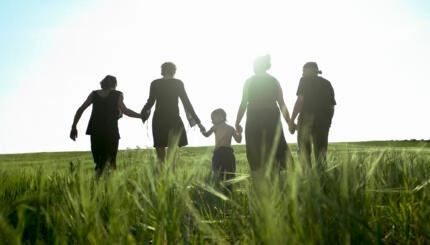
pixel 223 134
pixel 105 113
pixel 262 92
pixel 318 96
pixel 167 92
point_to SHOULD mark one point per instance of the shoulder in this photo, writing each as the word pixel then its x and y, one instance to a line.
pixel 117 93
pixel 178 82
pixel 271 77
pixel 156 81
pixel 250 79
pixel 304 85
pixel 323 79
pixel 305 79
pixel 228 127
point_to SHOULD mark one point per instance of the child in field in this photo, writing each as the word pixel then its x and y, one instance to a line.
pixel 223 159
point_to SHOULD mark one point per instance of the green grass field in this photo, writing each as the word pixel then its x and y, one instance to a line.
pixel 371 193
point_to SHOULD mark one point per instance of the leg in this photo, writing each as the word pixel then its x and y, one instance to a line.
pixel 253 148
pixel 304 142
pixel 229 169
pixel 97 151
pixel 320 146
pixel 161 154
pixel 282 155
pixel 174 139
pixel 113 151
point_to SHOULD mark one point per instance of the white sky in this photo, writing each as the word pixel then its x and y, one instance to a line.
pixel 375 53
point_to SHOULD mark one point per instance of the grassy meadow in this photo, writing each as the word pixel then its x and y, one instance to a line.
pixel 371 193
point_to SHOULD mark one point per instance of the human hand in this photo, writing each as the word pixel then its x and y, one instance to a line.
pixel 74 133
pixel 145 115
pixel 202 128
pixel 239 129
pixel 292 128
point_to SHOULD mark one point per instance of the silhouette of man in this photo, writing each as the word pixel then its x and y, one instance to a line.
pixel 315 107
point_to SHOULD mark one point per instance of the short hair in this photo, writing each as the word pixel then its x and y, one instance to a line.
pixel 219 112
pixel 262 63
pixel 313 66
pixel 108 82
pixel 168 68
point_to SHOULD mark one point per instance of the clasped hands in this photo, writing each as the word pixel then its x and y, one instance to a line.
pixel 292 127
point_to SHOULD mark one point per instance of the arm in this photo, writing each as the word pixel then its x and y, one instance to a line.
pixel 125 110
pixel 283 107
pixel 297 107
pixel 187 104
pixel 331 111
pixel 242 108
pixel 207 133
pixel 333 102
pixel 151 99
pixel 237 136
pixel 78 114
pixel 296 110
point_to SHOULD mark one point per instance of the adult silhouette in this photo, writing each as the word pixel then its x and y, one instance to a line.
pixel 108 106
pixel 167 127
pixel 315 106
pixel 263 100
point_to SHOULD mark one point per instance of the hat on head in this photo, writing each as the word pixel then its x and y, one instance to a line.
pixel 312 65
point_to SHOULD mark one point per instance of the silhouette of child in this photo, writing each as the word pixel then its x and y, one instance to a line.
pixel 223 159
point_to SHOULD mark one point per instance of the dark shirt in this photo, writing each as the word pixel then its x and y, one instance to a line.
pixel 166 93
pixel 318 96
pixel 105 115
pixel 261 92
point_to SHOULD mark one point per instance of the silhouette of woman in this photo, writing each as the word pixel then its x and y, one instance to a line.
pixel 265 141
pixel 108 106
pixel 167 126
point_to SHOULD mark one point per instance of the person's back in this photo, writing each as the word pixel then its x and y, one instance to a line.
pixel 318 96
pixel 167 92
pixel 105 113
pixel 223 135
pixel 262 90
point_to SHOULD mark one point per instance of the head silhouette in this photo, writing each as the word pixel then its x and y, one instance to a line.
pixel 109 82
pixel 262 64
pixel 218 116
pixel 311 69
pixel 168 69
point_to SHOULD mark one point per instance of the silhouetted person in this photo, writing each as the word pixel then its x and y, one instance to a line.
pixel 223 159
pixel 108 106
pixel 167 126
pixel 263 99
pixel 315 107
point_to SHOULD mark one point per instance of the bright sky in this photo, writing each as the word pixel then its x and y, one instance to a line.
pixel 376 54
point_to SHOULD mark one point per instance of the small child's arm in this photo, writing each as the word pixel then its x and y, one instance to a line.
pixel 207 133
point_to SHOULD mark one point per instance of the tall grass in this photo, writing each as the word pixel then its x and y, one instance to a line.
pixel 372 195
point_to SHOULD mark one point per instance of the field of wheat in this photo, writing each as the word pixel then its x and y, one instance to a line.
pixel 371 193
